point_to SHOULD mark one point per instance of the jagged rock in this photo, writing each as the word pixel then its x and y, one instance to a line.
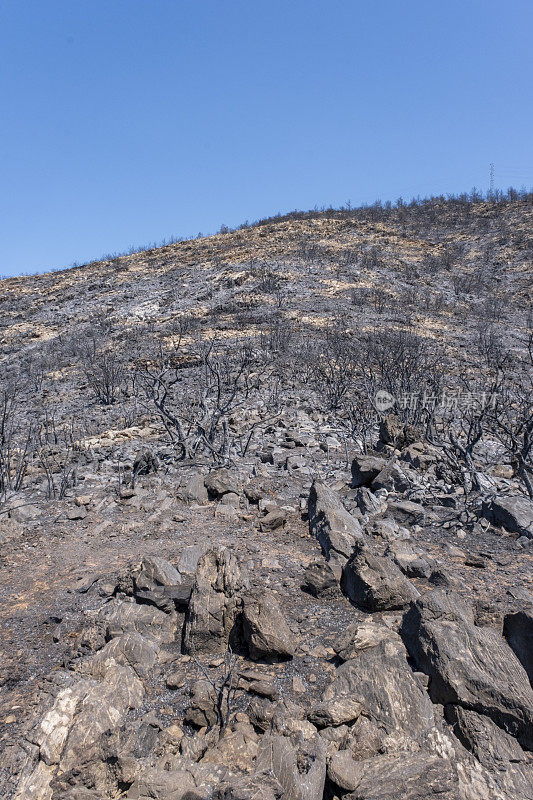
pixel 515 514
pixel 265 630
pixel 368 503
pixel 490 744
pixel 409 776
pixel 167 598
pixel 145 462
pixel 375 583
pixel 365 468
pixel 185 781
pixel 394 479
pixel 273 520
pixel 300 768
pixel 237 748
pixel 469 666
pixel 334 527
pixel 82 711
pixel 156 571
pixel 319 579
pixel 393 698
pixel 407 511
pixel 257 683
pixel 518 630
pixel 259 786
pixel 124 617
pixel 219 482
pixel 411 563
pixel 130 649
pixel 420 455
pixel 359 636
pixel 194 491
pixel 213 606
pixel 112 759
pixel 387 529
pixel 202 711
pixel 339 710
pixel 189 558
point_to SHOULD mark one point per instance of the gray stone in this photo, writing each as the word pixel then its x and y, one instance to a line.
pixel 265 630
pixel 515 514
pixel 469 666
pixel 374 583
pixel 393 699
pixel 394 479
pixel 319 579
pixel 492 746
pixel 122 617
pixel 334 527
pixel 219 482
pixel 214 603
pixel 409 776
pixel 338 710
pixel 300 767
pixel 156 571
pixel 365 468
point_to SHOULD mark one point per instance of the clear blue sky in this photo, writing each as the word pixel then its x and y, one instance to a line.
pixel 127 121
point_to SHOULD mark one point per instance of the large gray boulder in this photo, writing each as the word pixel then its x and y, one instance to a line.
pixel 334 527
pixel 82 711
pixel 120 617
pixel 265 630
pixel 515 514
pixel 391 695
pixel 219 482
pixel 299 764
pixel 214 603
pixel 409 776
pixel 375 583
pixel 365 468
pixel 469 666
pixel 491 745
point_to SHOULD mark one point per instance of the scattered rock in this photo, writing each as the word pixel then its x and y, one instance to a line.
pixel 469 666
pixel 515 514
pixel 375 583
pixel 365 468
pixel 334 527
pixel 319 579
pixel 265 631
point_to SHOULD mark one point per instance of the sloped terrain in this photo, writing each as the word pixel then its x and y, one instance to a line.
pixel 266 513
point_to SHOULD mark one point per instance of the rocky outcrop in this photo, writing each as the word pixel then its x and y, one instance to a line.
pixel 299 764
pixel 365 468
pixel 409 776
pixel 515 514
pixel 469 666
pixel 335 528
pixel 375 583
pixel 394 700
pixel 214 604
pixel 265 630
